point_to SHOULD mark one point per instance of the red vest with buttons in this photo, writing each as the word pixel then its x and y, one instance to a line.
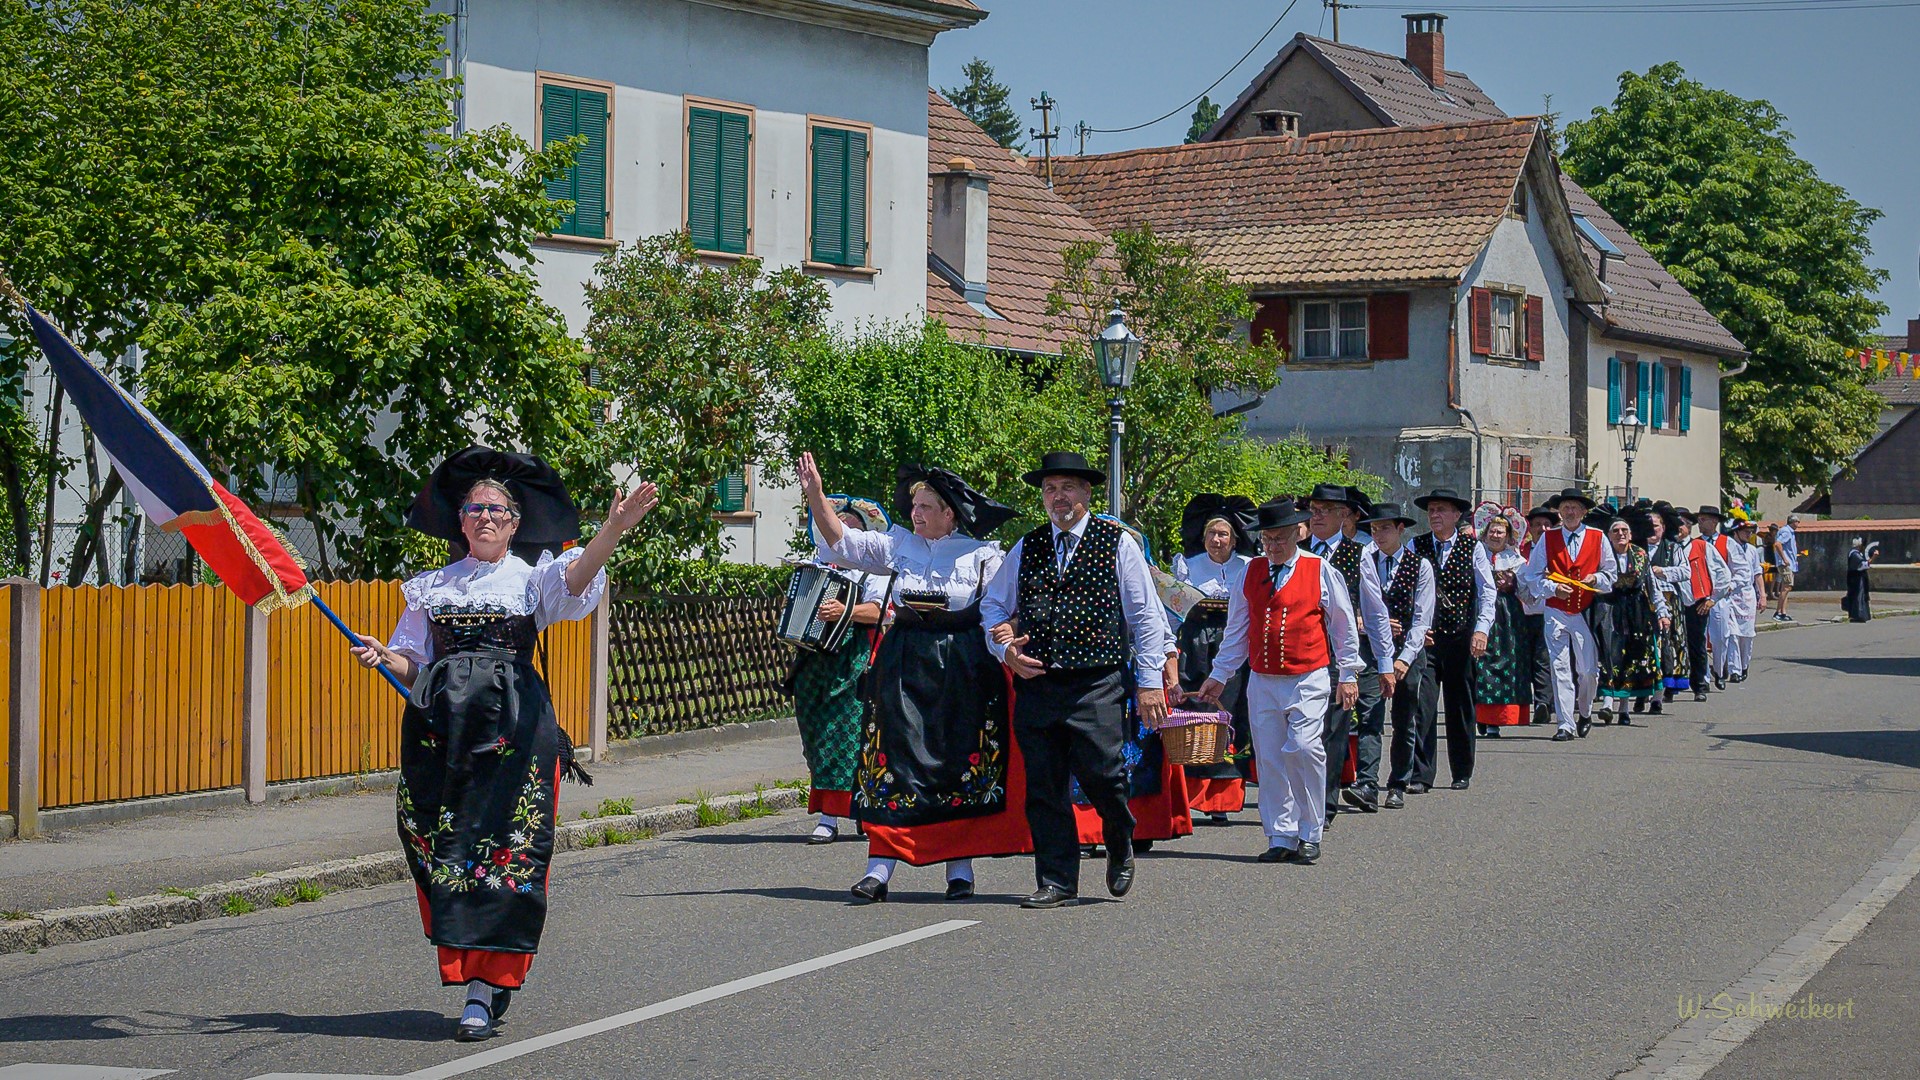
pixel 1286 627
pixel 1578 567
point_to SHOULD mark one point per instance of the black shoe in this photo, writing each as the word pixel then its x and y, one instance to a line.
pixel 1562 736
pixel 1490 732
pixel 1625 720
pixel 1218 817
pixel 1119 876
pixel 1326 819
pixel 1665 695
pixel 1654 709
pixel 1308 854
pixel 820 836
pixel 1418 788
pixel 1141 847
pixel 1363 800
pixel 1582 726
pixel 501 999
pixel 1396 800
pixel 959 889
pixel 870 889
pixel 1460 785
pixel 1639 705
pixel 1049 896
pixel 465 1032
pixel 1699 695
pixel 1277 853
pixel 1087 850
pixel 1719 682
pixel 1541 715
pixel 1480 730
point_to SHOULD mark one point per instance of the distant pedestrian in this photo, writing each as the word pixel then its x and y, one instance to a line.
pixel 1859 602
pixel 1786 563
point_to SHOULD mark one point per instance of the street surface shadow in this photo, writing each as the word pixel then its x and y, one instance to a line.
pixel 406 1025
pixel 1862 665
pixel 932 895
pixel 1888 747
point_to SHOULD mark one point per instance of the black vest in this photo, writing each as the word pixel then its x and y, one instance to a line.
pixel 1073 621
pixel 1453 585
pixel 1401 591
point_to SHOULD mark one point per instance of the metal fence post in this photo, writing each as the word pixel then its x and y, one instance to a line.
pixel 597 673
pixel 253 709
pixel 23 730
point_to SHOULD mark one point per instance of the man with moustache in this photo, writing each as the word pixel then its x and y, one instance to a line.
pixel 1082 609
pixel 1332 526
pixel 1462 619
pixel 1573 552
pixel 1406 587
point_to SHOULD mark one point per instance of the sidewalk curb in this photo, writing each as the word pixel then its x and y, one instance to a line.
pixel 1801 624
pixel 62 926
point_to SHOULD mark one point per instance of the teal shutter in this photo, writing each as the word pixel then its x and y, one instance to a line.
pixel 1659 397
pixel 703 178
pixel 590 165
pixel 856 198
pixel 734 179
pixel 732 490
pixel 1643 397
pixel 1613 389
pixel 558 108
pixel 829 196
pixel 1686 398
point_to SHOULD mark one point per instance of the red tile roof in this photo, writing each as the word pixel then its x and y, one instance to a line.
pixel 1894 388
pixel 1028 228
pixel 1389 86
pixel 1644 300
pixel 1379 207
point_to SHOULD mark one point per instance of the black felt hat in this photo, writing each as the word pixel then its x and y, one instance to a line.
pixel 1640 520
pixel 1279 514
pixel 1669 516
pixel 1065 463
pixel 1360 502
pixel 1543 512
pixel 1598 517
pixel 973 513
pixel 1336 493
pixel 1712 512
pixel 549 521
pixel 1237 511
pixel 1389 511
pixel 1445 495
pixel 1575 494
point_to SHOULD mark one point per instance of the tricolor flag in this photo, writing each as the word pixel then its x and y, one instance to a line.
pixel 173 488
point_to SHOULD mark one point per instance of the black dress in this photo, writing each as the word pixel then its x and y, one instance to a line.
pixel 1859 602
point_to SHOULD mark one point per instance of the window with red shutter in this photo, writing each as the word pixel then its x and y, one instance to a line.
pixel 1536 329
pixel 1271 322
pixel 1480 305
pixel 1387 333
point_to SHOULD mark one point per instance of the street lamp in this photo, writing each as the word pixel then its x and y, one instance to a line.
pixel 1116 352
pixel 1630 429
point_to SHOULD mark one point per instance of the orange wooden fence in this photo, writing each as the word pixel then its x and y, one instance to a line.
pixel 327 715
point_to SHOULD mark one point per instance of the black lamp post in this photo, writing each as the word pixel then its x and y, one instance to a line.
pixel 1630 429
pixel 1116 352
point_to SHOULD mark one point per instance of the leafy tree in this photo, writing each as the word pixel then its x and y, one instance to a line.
pixel 1710 184
pixel 695 357
pixel 984 100
pixel 267 198
pixel 1205 115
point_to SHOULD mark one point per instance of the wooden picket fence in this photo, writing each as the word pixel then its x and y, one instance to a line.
pixel 681 662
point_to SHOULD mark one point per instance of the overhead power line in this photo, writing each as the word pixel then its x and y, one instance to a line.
pixel 1671 7
pixel 1175 111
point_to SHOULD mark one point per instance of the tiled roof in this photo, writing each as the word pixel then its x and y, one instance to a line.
pixel 1387 84
pixel 1645 300
pixel 1386 206
pixel 1895 388
pixel 1028 227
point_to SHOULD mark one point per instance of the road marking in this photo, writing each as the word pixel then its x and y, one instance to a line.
pixel 28 1070
pixel 485 1058
pixel 1694 1048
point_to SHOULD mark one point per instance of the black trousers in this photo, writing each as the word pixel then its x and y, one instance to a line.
pixel 1411 756
pixel 1542 665
pixel 1449 673
pixel 1071 726
pixel 1697 673
pixel 1370 713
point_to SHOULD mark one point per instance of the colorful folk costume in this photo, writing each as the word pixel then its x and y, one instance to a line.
pixel 1747 564
pixel 1214 789
pixel 481 754
pixel 1668 559
pixel 1566 555
pixel 1293 625
pixel 1704 584
pixel 1352 556
pixel 1084 600
pixel 939 778
pixel 828 702
pixel 1503 676
pixel 1717 547
pixel 1626 622
pixel 1407 589
pixel 1463 607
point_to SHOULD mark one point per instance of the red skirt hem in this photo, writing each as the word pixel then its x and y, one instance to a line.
pixel 1500 715
pixel 1216 796
pixel 1163 815
pixel 458 967
pixel 1004 832
pixel 831 803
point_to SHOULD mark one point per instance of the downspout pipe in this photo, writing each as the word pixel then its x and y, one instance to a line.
pixel 460 66
pixel 1453 382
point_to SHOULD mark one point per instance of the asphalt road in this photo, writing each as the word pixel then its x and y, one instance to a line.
pixel 1543 924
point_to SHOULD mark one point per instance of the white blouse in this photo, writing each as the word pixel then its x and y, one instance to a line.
pixel 507 587
pixel 955 564
pixel 1510 559
pixel 1204 574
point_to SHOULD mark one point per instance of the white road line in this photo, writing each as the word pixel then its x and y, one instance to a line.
pixel 1692 1050
pixel 485 1058
pixel 28 1070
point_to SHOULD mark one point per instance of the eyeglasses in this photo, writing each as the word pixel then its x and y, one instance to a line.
pixel 493 510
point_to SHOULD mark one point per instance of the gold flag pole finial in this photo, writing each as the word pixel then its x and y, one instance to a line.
pixel 8 290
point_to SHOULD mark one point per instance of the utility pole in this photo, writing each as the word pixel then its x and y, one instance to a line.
pixel 1335 6
pixel 1083 129
pixel 1045 135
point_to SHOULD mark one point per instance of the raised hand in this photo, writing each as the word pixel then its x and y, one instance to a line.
pixel 809 474
pixel 630 506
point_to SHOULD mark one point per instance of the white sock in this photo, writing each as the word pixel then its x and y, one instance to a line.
pixel 480 992
pixel 960 870
pixel 829 823
pixel 881 869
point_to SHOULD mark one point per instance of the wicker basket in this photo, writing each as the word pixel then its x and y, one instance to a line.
pixel 1201 743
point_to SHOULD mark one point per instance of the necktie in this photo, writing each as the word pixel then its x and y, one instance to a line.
pixel 1065 544
pixel 1320 547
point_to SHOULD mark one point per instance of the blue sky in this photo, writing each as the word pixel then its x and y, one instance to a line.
pixel 1848 81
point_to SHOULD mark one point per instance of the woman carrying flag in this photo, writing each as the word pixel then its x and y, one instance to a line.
pixel 481 753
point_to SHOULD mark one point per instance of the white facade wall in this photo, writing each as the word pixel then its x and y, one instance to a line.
pixel 1680 467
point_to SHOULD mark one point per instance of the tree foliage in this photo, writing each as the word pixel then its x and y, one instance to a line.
pixel 984 100
pixel 1205 115
pixel 695 358
pixel 267 198
pixel 1709 183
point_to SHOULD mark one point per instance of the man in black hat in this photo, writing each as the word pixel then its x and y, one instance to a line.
pixel 1720 614
pixel 1570 567
pixel 1081 602
pixel 1332 534
pixel 1703 580
pixel 1407 589
pixel 1462 619
pixel 1289 620
pixel 1539 520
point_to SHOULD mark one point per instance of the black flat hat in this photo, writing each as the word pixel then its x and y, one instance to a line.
pixel 1337 493
pixel 1598 517
pixel 1388 511
pixel 1237 511
pixel 973 513
pixel 1713 512
pixel 548 518
pixel 1542 512
pixel 1445 495
pixel 1279 514
pixel 1065 463
pixel 1569 493
pixel 1360 501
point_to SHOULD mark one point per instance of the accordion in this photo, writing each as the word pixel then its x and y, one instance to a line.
pixel 800 623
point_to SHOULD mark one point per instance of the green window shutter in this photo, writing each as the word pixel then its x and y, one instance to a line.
pixel 590 165
pixel 732 490
pixel 1659 419
pixel 558 108
pixel 856 198
pixel 829 196
pixel 703 178
pixel 1686 398
pixel 734 180
pixel 1643 398
pixel 1613 389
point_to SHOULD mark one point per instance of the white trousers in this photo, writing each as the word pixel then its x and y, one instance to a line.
pixel 1720 635
pixel 1575 660
pixel 1287 714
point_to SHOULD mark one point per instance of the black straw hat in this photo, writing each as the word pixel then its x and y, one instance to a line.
pixel 973 513
pixel 1570 493
pixel 1389 511
pixel 1445 495
pixel 1279 514
pixel 549 520
pixel 1237 511
pixel 1065 463
pixel 1336 493
pixel 1713 512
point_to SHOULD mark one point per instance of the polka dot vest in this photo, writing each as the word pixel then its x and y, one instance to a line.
pixel 1073 621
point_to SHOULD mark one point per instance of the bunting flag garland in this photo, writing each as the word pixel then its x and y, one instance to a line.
pixel 1904 364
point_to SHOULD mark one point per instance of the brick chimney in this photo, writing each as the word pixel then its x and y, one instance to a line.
pixel 960 224
pixel 1913 335
pixel 1427 46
